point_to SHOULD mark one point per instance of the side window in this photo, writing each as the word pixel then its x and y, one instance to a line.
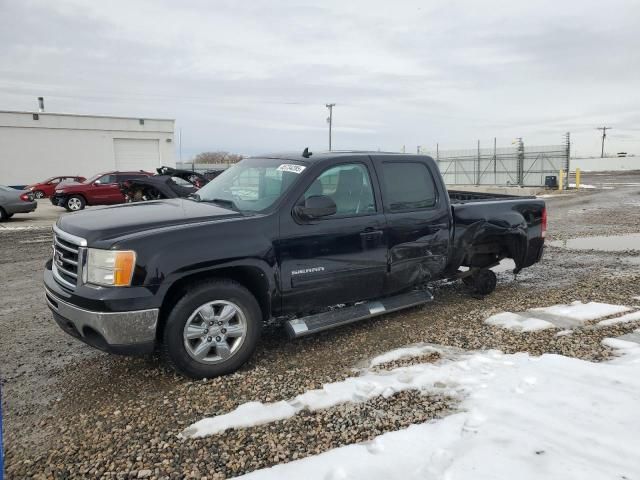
pixel 123 177
pixel 54 181
pixel 348 185
pixel 106 179
pixel 407 186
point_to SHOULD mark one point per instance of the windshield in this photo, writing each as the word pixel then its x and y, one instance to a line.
pixel 94 178
pixel 252 185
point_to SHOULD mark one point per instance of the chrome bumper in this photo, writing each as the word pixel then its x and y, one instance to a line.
pixel 115 328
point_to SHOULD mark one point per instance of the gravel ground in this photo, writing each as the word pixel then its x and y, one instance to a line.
pixel 72 412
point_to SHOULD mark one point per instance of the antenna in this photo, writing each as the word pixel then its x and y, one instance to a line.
pixel 306 153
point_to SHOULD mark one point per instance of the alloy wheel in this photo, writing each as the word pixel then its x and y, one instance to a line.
pixel 74 204
pixel 215 331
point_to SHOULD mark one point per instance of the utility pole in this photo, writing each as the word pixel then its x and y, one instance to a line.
pixel 604 135
pixel 330 120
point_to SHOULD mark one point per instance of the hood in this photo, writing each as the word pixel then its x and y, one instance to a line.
pixel 110 223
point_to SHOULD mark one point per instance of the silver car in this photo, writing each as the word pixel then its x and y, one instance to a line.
pixel 15 201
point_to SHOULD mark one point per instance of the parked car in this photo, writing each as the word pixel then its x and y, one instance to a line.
pixel 14 201
pixel 307 242
pixel 168 183
pixel 101 189
pixel 213 173
pixel 47 187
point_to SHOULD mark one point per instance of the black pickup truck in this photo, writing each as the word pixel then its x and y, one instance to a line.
pixel 307 241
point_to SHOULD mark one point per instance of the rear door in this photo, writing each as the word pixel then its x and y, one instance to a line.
pixel 417 219
pixel 340 258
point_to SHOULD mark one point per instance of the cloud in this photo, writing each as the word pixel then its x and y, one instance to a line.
pixel 254 76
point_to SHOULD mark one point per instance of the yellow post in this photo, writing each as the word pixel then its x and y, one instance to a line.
pixel 561 180
pixel 577 178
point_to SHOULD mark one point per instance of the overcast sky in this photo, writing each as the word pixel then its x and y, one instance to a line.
pixel 253 76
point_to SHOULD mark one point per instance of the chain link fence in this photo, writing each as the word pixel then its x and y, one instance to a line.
pixel 517 165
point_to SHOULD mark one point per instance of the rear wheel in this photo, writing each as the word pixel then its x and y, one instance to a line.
pixel 74 203
pixel 3 215
pixel 212 330
pixel 483 281
pixel 39 194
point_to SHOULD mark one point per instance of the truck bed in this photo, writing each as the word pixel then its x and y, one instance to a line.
pixel 460 196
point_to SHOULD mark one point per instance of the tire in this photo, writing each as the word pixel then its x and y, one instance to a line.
pixel 194 347
pixel 39 194
pixel 484 281
pixel 468 281
pixel 3 215
pixel 74 203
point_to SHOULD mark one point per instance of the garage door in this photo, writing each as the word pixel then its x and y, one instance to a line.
pixel 134 154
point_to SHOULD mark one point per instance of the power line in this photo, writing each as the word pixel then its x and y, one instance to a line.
pixel 604 135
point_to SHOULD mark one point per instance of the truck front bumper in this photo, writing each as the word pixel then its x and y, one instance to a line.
pixel 126 333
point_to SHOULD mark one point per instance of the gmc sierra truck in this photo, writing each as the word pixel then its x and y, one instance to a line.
pixel 307 241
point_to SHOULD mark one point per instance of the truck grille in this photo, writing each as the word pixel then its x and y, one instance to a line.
pixel 68 253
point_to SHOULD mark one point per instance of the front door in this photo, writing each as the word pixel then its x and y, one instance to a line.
pixel 340 258
pixel 106 190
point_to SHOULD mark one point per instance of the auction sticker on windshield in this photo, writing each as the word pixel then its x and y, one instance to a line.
pixel 290 167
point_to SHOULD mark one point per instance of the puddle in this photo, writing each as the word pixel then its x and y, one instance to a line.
pixel 618 243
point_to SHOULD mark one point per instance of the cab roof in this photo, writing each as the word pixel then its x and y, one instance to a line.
pixel 324 155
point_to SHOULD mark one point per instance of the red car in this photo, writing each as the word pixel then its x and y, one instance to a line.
pixel 47 187
pixel 101 189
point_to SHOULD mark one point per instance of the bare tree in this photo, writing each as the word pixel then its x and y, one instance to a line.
pixel 217 157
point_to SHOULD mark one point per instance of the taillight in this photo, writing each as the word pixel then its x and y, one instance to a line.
pixel 25 197
pixel 544 222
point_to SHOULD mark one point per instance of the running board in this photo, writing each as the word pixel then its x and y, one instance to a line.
pixel 311 324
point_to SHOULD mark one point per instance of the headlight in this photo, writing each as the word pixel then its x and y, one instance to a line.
pixel 110 267
pixel 32 188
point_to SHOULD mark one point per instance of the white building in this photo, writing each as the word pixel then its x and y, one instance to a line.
pixel 38 145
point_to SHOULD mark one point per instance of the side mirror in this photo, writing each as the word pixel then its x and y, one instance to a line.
pixel 316 206
pixel 97 182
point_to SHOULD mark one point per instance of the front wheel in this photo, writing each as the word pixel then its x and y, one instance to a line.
pixel 39 194
pixel 212 330
pixel 74 203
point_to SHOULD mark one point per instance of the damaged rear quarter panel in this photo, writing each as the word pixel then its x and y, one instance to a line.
pixel 515 224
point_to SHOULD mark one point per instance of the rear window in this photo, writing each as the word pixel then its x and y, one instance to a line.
pixel 407 186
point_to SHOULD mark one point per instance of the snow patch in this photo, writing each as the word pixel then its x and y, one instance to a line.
pixel 563 333
pixel 624 345
pixel 536 417
pixel 246 415
pixel 555 316
pixel 402 353
pixel 583 311
pixel 515 321
pixel 629 317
